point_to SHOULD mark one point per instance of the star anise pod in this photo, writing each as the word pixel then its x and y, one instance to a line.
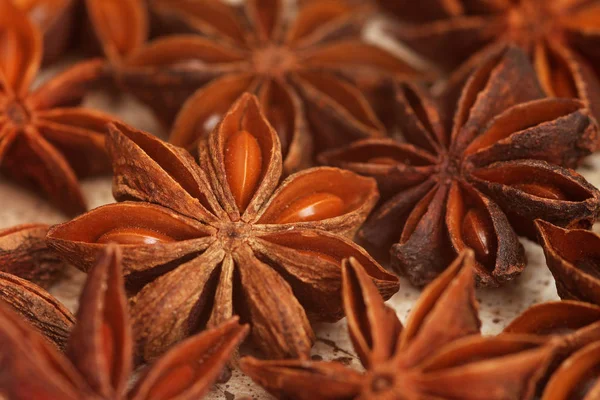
pixel 55 19
pixel 39 307
pixel 99 354
pixel 578 378
pixel 569 326
pixel 560 37
pixel 23 252
pixel 226 237
pixel 45 141
pixel 573 257
pixel 479 180
pixel 438 355
pixel 120 26
pixel 304 70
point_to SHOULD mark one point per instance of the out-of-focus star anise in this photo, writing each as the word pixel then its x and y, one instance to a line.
pixel 438 355
pixel 573 257
pixel 578 378
pixel 45 141
pixel 23 252
pixel 55 19
pixel 570 327
pixel 561 37
pixel 305 71
pixel 226 237
pixel 98 364
pixel 479 179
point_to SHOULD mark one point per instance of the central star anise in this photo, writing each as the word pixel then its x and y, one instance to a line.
pixel 301 69
pixel 481 179
pixel 226 237
pixel 44 140
pixel 98 362
pixel 560 36
pixel 438 355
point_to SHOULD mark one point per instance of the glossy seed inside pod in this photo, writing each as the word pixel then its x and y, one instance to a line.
pixel 312 207
pixel 243 166
pixel 383 161
pixel 108 346
pixel 322 256
pixel 542 190
pixel 478 234
pixel 133 236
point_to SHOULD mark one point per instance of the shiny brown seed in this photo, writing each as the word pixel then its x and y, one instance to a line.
pixel 477 234
pixel 312 207
pixel 542 190
pixel 243 162
pixel 382 160
pixel 174 382
pixel 135 236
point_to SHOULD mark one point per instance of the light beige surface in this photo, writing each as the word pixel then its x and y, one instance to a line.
pixel 498 306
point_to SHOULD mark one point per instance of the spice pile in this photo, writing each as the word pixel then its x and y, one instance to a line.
pixel 299 173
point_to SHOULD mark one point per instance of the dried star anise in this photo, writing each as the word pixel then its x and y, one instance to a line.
pixel 44 140
pixel 226 237
pixel 578 378
pixel 99 363
pixel 55 19
pixel 560 37
pixel 573 257
pixel 304 71
pixel 23 252
pixel 479 180
pixel 39 307
pixel 438 355
pixel 569 326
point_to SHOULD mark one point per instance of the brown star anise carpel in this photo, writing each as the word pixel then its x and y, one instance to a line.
pixel 573 257
pixel 45 141
pixel 304 70
pixel 39 307
pixel 23 252
pixel 578 378
pixel 120 26
pixel 570 326
pixel 561 37
pixel 55 19
pixel 477 180
pixel 98 361
pixel 226 237
pixel 438 355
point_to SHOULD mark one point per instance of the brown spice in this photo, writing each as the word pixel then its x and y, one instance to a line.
pixel 305 70
pixel 573 256
pixel 479 179
pixel 226 237
pixel 439 353
pixel 560 38
pixel 45 142
pixel 99 360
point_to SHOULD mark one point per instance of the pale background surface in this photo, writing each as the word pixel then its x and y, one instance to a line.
pixel 498 306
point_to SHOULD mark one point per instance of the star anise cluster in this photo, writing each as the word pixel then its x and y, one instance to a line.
pixel 230 220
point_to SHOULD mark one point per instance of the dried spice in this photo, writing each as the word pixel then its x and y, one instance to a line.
pixel 23 252
pixel 560 37
pixel 578 378
pixel 56 21
pixel 45 142
pixel 570 324
pixel 573 257
pixel 39 307
pixel 439 353
pixel 226 237
pixel 99 362
pixel 305 71
pixel 120 26
pixel 480 179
